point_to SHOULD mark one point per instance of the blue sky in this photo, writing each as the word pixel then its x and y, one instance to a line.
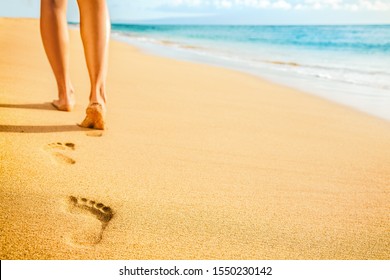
pixel 227 11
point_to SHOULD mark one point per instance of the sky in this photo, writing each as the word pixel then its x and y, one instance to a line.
pixel 226 11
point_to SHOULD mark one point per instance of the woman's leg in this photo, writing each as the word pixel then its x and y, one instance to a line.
pixel 95 33
pixel 55 38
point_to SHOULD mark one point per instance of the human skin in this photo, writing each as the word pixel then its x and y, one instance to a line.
pixel 95 32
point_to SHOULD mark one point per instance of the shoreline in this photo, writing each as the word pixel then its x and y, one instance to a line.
pixel 288 72
pixel 198 162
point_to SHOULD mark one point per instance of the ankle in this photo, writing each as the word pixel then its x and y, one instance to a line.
pixel 65 92
pixel 98 96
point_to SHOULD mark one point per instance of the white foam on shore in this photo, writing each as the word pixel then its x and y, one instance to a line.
pixel 360 87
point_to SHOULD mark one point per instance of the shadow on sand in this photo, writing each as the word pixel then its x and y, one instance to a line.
pixel 37 128
pixel 39 106
pixel 41 128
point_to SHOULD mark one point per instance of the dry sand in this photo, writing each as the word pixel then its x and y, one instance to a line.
pixel 198 162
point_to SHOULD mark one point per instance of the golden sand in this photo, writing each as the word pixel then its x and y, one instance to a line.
pixel 198 162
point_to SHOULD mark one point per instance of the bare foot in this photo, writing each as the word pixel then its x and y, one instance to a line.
pixel 95 117
pixel 65 105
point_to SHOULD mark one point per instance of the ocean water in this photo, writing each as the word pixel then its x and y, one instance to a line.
pixel 346 64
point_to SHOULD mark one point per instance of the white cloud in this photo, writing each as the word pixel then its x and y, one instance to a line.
pixel 375 5
pixel 365 5
pixel 282 4
pixel 377 11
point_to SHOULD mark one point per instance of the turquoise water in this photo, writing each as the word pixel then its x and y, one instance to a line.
pixel 347 64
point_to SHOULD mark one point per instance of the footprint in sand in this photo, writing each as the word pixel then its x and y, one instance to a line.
pixel 58 151
pixel 94 218
pixel 94 134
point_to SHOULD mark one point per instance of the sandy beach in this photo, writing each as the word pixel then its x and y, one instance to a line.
pixel 198 162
